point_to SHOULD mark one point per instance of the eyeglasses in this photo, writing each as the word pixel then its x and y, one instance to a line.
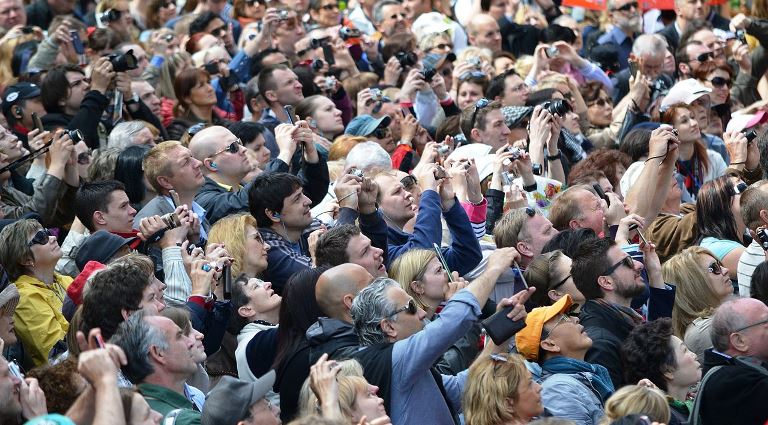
pixel 329 7
pixel 408 182
pixel 626 261
pixel 704 56
pixel 563 318
pixel 562 282
pixel 85 81
pixel 396 15
pixel 380 133
pixel 480 104
pixel 443 46
pixel 716 268
pixel 762 322
pixel 220 31
pixel 410 308
pixel 601 102
pixel 720 82
pixel 627 7
pixel 41 237
pixel 233 147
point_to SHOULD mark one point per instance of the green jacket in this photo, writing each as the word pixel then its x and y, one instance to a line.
pixel 165 400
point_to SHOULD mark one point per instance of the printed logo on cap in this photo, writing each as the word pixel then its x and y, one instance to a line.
pixel 12 96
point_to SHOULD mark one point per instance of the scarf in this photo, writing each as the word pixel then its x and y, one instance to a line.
pixel 600 378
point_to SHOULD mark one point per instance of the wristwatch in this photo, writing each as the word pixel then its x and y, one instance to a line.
pixel 558 156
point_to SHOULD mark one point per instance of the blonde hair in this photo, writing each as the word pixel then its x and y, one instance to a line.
pixel 634 399
pixel 6 53
pixel 523 64
pixel 230 231
pixel 308 403
pixel 694 297
pixel 156 163
pixel 489 384
pixel 411 267
pixel 479 52
pixel 335 168
pixel 342 145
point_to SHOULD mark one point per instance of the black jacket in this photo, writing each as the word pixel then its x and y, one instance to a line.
pixel 670 34
pixel 39 14
pixel 608 328
pixel 734 394
pixel 518 39
pixel 332 336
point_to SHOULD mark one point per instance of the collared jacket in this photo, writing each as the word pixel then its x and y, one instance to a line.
pixel 39 321
pixel 734 394
pixel 572 396
pixel 164 400
pixel 53 200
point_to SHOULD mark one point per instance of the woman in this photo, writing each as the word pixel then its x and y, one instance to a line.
pixel 8 52
pixel 9 299
pixel 605 119
pixel 248 11
pixel 720 80
pixel 256 307
pixel 129 171
pixel 652 352
pixel 634 399
pixel 29 254
pixel 325 13
pixel 423 277
pixel 162 79
pixel 326 117
pixel 718 217
pixel 702 285
pixel 244 243
pixel 550 274
pixel 696 164
pixel 471 88
pixel 196 102
pixel 159 12
pixel 500 390
pixel 611 162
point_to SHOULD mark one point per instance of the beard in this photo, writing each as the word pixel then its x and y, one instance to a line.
pixel 633 24
pixel 630 289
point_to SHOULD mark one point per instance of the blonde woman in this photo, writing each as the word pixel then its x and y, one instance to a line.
pixel 244 243
pixel 500 390
pixel 637 400
pixel 702 285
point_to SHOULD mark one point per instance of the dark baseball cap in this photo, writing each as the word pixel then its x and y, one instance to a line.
pixel 18 92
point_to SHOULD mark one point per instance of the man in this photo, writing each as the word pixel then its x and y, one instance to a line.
pixel 508 88
pixel 690 57
pixel 734 392
pixel 627 24
pixel 649 50
pixel 754 213
pixel 236 402
pixel 571 388
pixel 437 201
pixel 225 164
pixel 160 360
pixel 212 23
pixel 484 32
pixel 141 61
pixel 20 101
pixel 98 206
pixel 346 244
pixel 287 33
pixel 609 279
pixel 12 13
pixel 484 123
pixel 400 350
pixel 390 19
pixel 115 15
pixel 688 10
pixel 578 206
pixel 279 86
pixel 130 133
pixel 146 93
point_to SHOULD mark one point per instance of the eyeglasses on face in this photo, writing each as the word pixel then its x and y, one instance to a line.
pixel 601 102
pixel 716 267
pixel 442 46
pixel 220 31
pixel 705 56
pixel 762 322
pixel 380 133
pixel 563 318
pixel 330 7
pixel 410 309
pixel 720 82
pixel 562 282
pixel 480 104
pixel 627 7
pixel 626 261
pixel 40 238
pixel 233 147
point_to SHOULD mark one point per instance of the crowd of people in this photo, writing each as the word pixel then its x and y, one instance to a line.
pixel 480 212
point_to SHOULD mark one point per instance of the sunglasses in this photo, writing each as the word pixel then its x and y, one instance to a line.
pixel 601 102
pixel 472 74
pixel 408 182
pixel 410 308
pixel 220 31
pixel 716 268
pixel 233 147
pixel 41 237
pixel 443 46
pixel 380 133
pixel 480 104
pixel 704 56
pixel 168 5
pixel 626 261
pixel 627 7
pixel 720 82
pixel 395 16
pixel 562 282
pixel 329 7
pixel 252 2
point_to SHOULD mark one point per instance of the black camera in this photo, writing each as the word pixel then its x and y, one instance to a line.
pixel 659 87
pixel 750 135
pixel 762 237
pixel 211 68
pixel 109 16
pixel 122 62
pixel 428 73
pixel 345 33
pixel 282 15
pixel 314 43
pixel 557 106
pixel 75 135
pixel 440 173
pixel 406 59
pixel 316 65
pixel 27 30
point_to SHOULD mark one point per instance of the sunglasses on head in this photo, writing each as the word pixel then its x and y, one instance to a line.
pixel 627 7
pixel 41 237
pixel 380 133
pixel 720 82
pixel 410 309
pixel 195 129
pixel 480 104
pixel 472 74
pixel 626 261
pixel 443 46
pixel 233 147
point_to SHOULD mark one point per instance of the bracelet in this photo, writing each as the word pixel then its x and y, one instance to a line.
pixel 738 163
pixel 531 188
pixel 555 157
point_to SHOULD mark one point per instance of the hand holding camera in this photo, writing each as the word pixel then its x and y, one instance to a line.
pixel 102 75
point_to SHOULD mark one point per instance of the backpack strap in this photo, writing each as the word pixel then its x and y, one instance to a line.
pixel 695 417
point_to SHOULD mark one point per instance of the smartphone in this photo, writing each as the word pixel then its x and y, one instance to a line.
pixel 634 226
pixel 601 193
pixel 328 55
pixel 633 67
pixel 226 277
pixel 291 113
pixel 500 327
pixel 38 122
pixel 442 261
pixel 762 236
pixel 174 198
pixel 77 44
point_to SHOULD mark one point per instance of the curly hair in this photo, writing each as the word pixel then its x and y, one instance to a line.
pixel 647 353
pixel 60 383
pixel 604 160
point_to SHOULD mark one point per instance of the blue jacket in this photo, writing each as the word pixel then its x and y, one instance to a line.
pixel 571 396
pixel 464 253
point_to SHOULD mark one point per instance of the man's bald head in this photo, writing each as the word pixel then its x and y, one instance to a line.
pixel 479 22
pixel 206 142
pixel 740 328
pixel 338 286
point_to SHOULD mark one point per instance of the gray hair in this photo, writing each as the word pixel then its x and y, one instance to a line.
pixel 137 337
pixel 370 307
pixel 377 13
pixel 368 156
pixel 122 135
pixel 727 318
pixel 650 44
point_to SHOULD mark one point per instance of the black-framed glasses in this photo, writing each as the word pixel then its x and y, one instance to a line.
pixel 380 133
pixel 480 104
pixel 704 56
pixel 626 261
pixel 762 322
pixel 410 308
pixel 330 7
pixel 562 282
pixel 720 82
pixel 233 147
pixel 408 182
pixel 602 101
pixel 629 6
pixel 41 237
pixel 220 31
pixel 716 268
